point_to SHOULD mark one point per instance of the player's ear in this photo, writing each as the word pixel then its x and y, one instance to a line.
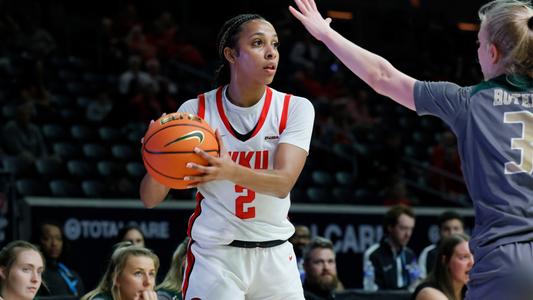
pixel 230 55
pixel 495 54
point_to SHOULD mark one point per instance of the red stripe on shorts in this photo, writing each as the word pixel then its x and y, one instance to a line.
pixel 188 271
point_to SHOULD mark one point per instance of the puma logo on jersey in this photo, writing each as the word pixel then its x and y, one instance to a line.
pixel 191 135
pixel 290 257
pixel 271 137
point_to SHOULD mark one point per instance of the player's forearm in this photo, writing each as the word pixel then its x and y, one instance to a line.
pixel 276 183
pixel 152 193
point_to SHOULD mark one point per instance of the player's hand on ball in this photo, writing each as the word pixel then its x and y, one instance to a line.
pixel 219 168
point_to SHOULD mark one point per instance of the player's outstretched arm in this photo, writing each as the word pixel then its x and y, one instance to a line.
pixel 377 72
pixel 288 164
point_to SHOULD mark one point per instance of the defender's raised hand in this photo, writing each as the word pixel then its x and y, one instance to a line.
pixel 311 19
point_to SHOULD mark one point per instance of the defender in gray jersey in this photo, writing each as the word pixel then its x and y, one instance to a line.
pixel 493 122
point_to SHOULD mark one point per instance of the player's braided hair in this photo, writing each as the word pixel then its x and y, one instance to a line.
pixel 227 37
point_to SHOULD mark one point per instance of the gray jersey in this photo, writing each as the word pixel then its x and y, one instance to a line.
pixel 493 122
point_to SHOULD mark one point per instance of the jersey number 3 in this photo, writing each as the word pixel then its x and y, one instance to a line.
pixel 524 143
pixel 248 197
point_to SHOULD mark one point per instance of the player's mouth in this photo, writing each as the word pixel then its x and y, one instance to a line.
pixel 270 68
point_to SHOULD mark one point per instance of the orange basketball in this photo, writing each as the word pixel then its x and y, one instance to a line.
pixel 168 146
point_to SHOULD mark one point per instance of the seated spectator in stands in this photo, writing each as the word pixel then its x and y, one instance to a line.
pixel 21 267
pixel 132 234
pixel 321 279
pixel 450 223
pixel 300 239
pixel 134 73
pixel 59 279
pixel 170 288
pixel 130 275
pixel 22 137
pixel 391 258
pixel 449 277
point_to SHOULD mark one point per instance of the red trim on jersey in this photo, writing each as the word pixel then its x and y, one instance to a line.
pixel 285 113
pixel 201 106
pixel 190 256
pixel 262 117
pixel 188 271
pixel 195 214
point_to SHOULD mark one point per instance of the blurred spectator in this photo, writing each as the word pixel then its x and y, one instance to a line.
pixel 131 233
pixel 321 279
pixel 59 279
pixel 449 278
pixel 138 44
pixel 396 193
pixel 170 288
pixel 391 259
pixel 133 74
pixel 450 223
pixel 299 240
pixel 130 275
pixel 21 265
pixel 111 46
pixel 159 81
pixel 305 54
pixel 22 137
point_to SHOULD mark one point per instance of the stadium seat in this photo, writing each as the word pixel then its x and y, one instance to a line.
pixel 123 152
pixel 82 169
pixel 344 178
pixel 31 187
pixel 109 134
pixel 16 166
pixel 135 169
pixel 95 151
pixel 83 133
pixel 322 178
pixel 67 150
pixel 318 194
pixel 94 188
pixel 109 168
pixel 54 133
pixel 50 168
pixel 65 188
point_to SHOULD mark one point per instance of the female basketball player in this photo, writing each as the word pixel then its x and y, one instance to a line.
pixel 493 122
pixel 21 270
pixel 239 230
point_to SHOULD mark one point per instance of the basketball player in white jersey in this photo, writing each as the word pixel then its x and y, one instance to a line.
pixel 239 229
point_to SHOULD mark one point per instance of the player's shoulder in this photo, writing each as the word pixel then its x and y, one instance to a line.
pixel 298 103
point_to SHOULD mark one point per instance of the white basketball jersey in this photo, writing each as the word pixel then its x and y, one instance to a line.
pixel 226 211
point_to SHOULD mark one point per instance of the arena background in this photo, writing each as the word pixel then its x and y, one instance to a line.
pixel 416 35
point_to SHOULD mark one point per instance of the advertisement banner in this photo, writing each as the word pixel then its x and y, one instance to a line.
pixel 91 227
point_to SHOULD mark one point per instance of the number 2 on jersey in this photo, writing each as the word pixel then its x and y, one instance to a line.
pixel 524 143
pixel 247 198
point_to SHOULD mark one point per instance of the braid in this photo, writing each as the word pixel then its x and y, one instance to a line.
pixel 227 37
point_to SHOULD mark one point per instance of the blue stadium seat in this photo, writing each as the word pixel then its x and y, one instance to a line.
pixel 31 187
pixel 94 188
pixel 95 151
pixel 82 169
pixel 65 188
